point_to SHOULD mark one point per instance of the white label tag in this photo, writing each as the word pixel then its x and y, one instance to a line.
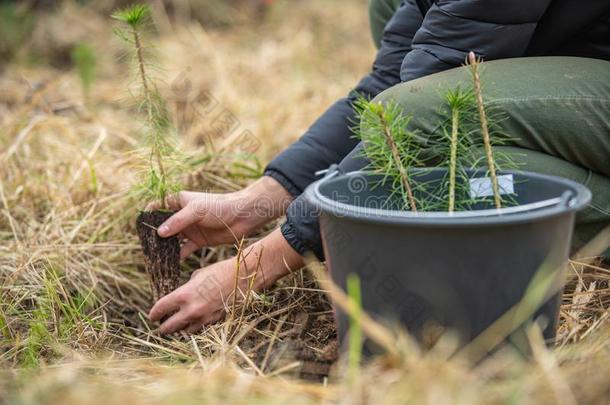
pixel 482 186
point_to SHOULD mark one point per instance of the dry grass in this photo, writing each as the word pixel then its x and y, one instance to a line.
pixel 73 292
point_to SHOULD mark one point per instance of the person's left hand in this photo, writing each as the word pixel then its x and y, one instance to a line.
pixel 202 300
pixel 198 302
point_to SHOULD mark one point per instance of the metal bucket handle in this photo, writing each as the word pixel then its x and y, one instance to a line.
pixel 567 199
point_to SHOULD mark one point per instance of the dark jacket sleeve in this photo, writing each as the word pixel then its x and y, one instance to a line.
pixel 301 229
pixel 330 138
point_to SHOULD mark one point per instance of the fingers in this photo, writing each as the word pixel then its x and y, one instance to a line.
pixel 196 303
pixel 195 273
pixel 168 305
pixel 176 323
pixel 179 221
pixel 173 202
pixel 195 234
pixel 188 248
pixel 194 240
pixel 188 321
pixel 197 325
pixel 165 306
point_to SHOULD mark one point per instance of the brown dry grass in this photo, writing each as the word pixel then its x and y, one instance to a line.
pixel 73 292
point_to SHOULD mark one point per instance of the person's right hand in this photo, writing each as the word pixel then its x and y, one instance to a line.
pixel 207 219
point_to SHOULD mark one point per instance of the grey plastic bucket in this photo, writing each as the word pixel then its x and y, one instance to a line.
pixel 460 271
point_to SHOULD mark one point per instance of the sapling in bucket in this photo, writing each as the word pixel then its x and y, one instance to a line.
pixel 160 158
pixel 452 247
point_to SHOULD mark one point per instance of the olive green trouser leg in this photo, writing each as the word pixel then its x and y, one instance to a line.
pixel 591 220
pixel 556 109
pixel 380 12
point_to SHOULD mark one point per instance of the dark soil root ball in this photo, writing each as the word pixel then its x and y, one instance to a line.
pixel 161 255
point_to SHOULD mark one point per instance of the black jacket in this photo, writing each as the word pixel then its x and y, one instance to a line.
pixel 425 37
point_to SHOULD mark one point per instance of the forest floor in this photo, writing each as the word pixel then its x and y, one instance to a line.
pixel 74 294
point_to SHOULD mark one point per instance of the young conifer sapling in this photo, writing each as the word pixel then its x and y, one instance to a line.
pixel 393 150
pixel 389 145
pixel 474 64
pixel 459 102
pixel 162 255
pixel 402 171
pixel 455 121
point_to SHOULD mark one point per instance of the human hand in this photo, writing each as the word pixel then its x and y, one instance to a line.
pixel 208 219
pixel 202 299
pixel 198 302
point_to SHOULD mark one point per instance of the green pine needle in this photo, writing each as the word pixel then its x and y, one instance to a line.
pixel 135 15
pixel 467 151
pixel 161 176
pixel 391 148
pixel 458 102
pixel 457 146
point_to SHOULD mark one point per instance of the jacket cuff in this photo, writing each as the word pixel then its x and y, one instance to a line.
pixel 298 243
pixel 284 181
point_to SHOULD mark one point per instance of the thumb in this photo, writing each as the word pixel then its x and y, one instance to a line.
pixel 180 220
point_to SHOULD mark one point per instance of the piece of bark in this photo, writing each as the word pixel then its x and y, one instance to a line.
pixel 161 255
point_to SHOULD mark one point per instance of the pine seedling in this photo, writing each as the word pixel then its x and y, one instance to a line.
pixel 161 255
pixel 84 61
pixel 458 102
pixel 158 129
pixel 460 143
pixel 474 64
pixel 467 128
pixel 389 145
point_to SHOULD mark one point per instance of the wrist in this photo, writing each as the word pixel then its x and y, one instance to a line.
pixel 274 257
pixel 270 188
pixel 266 199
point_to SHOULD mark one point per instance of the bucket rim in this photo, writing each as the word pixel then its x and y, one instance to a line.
pixel 523 213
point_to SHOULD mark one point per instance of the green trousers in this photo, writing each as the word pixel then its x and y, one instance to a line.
pixel 556 109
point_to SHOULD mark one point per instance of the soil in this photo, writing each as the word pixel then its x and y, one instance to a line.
pixel 316 347
pixel 161 255
pixel 308 336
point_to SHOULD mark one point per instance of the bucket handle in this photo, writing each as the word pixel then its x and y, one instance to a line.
pixel 332 171
pixel 567 199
